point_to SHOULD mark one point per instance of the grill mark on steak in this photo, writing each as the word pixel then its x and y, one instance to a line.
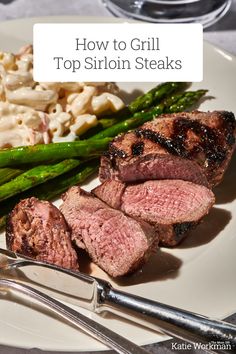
pixel 204 139
pixel 115 152
pixel 209 140
pixel 229 126
pixel 26 249
pixel 173 235
pixel 37 229
pixel 172 146
pixel 137 148
pixel 180 229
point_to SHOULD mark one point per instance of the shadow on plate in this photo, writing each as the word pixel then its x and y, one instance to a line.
pixel 204 233
pixel 5 2
pixel 200 102
pixel 130 96
pixel 226 191
pixel 161 266
pixel 85 263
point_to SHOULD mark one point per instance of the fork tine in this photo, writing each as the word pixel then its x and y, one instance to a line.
pixel 94 329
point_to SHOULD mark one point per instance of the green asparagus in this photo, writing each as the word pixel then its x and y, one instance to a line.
pixel 155 95
pixel 175 103
pixel 6 174
pixel 51 189
pixel 36 176
pixel 55 151
pixel 148 100
pixel 54 187
pixel 145 101
pixel 102 124
pixel 57 186
pixel 189 99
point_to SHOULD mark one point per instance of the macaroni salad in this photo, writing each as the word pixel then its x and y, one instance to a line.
pixel 35 112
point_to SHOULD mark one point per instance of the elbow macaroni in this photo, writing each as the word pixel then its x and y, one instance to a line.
pixel 33 112
pixel 20 125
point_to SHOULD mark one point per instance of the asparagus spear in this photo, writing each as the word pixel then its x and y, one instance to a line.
pixel 102 124
pixel 155 95
pixel 31 178
pixel 148 99
pixel 6 174
pixel 55 151
pixel 57 185
pixel 130 123
pixel 35 176
pixel 189 99
pixel 175 103
pixel 145 101
pixel 51 189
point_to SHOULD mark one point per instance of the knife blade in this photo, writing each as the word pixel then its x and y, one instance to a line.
pixel 111 339
pixel 98 296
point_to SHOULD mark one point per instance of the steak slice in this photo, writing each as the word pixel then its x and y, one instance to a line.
pixel 116 243
pixel 37 229
pixel 193 146
pixel 173 206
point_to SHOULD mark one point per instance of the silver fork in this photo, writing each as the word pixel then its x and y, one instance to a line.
pixel 98 296
pixel 94 329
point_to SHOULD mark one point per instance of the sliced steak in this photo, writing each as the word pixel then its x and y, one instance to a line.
pixel 37 229
pixel 173 206
pixel 193 146
pixel 115 242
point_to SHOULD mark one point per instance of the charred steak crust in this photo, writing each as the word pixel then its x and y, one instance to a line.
pixel 137 148
pixel 173 206
pixel 115 242
pixel 37 229
pixel 205 138
pixel 173 235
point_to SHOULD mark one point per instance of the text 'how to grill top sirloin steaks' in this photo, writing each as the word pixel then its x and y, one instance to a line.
pixel 157 182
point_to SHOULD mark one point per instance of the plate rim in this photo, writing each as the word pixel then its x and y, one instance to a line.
pixel 110 19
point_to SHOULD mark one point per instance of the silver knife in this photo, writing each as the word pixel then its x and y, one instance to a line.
pixel 99 296
pixel 111 339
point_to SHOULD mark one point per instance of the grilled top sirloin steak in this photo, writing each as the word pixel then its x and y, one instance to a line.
pixel 193 146
pixel 173 206
pixel 37 229
pixel 116 242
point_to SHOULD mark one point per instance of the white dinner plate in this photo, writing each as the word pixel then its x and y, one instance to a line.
pixel 198 276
